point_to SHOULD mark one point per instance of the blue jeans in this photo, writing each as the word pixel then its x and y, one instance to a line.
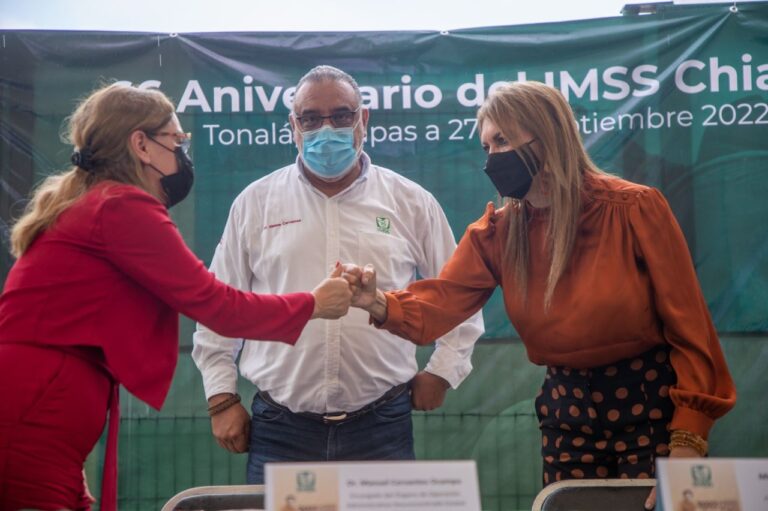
pixel 385 433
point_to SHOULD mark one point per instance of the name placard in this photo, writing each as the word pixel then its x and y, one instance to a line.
pixel 379 486
pixel 713 484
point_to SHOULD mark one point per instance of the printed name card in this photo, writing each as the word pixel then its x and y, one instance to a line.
pixel 713 484
pixel 380 486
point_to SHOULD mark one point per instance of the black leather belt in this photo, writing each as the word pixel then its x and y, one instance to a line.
pixel 341 417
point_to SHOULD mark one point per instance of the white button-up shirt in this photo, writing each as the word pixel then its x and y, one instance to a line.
pixel 283 235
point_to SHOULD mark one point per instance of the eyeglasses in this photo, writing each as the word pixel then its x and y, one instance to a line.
pixel 180 139
pixel 343 119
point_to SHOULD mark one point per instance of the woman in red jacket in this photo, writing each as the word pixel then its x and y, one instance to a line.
pixel 598 282
pixel 93 299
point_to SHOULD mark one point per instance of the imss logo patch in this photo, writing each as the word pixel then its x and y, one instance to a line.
pixel 383 224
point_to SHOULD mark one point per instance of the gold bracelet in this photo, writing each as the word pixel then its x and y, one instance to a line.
pixel 220 407
pixel 682 438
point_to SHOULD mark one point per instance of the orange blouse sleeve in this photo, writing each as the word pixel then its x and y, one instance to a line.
pixel 704 389
pixel 430 308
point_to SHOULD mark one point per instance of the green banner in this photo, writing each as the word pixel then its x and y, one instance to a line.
pixel 677 100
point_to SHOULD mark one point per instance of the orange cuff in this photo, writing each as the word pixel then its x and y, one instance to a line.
pixel 394 314
pixel 691 420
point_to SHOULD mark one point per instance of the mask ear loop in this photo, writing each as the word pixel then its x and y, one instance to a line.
pixel 359 150
pixel 364 138
pixel 532 163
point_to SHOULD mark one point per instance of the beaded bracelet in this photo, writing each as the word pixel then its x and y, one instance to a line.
pixel 220 407
pixel 682 438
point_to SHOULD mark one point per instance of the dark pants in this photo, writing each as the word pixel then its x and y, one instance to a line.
pixel 385 433
pixel 606 422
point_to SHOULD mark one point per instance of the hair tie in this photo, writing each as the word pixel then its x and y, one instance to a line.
pixel 83 158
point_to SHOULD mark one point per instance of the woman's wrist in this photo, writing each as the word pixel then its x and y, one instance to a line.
pixel 315 306
pixel 682 438
pixel 378 310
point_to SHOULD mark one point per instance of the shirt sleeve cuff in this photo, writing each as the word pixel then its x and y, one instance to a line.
pixel 224 385
pixel 691 420
pixel 448 365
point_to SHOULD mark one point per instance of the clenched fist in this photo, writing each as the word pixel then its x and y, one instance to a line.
pixel 332 296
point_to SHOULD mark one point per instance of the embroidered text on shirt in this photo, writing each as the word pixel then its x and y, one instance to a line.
pixel 284 222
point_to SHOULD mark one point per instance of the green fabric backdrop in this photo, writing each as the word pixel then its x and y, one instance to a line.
pixel 676 100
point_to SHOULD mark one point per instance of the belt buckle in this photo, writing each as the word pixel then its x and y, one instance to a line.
pixel 337 417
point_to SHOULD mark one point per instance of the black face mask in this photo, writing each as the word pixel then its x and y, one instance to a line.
pixel 512 172
pixel 177 186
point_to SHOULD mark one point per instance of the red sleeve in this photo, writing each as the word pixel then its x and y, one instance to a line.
pixel 143 242
pixel 704 389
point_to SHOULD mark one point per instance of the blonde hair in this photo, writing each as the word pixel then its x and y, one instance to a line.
pixel 543 112
pixel 100 125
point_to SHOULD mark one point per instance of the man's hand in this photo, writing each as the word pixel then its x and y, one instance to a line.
pixel 232 427
pixel 332 296
pixel 428 391
pixel 677 452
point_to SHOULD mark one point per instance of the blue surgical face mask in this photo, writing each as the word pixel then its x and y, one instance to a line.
pixel 330 153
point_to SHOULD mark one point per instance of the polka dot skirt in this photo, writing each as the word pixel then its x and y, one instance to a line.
pixel 606 422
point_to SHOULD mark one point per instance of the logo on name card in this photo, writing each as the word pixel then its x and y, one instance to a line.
pixel 306 481
pixel 383 224
pixel 702 475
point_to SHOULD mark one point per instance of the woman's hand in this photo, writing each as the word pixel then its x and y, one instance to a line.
pixel 362 282
pixel 365 295
pixel 332 296
pixel 677 452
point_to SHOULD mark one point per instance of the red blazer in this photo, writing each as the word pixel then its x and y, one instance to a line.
pixel 112 272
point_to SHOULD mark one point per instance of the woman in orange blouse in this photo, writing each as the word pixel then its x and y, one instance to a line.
pixel 598 282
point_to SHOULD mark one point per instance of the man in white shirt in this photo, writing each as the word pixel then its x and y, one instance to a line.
pixel 345 390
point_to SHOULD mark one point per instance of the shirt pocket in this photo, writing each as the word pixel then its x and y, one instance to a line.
pixel 391 256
